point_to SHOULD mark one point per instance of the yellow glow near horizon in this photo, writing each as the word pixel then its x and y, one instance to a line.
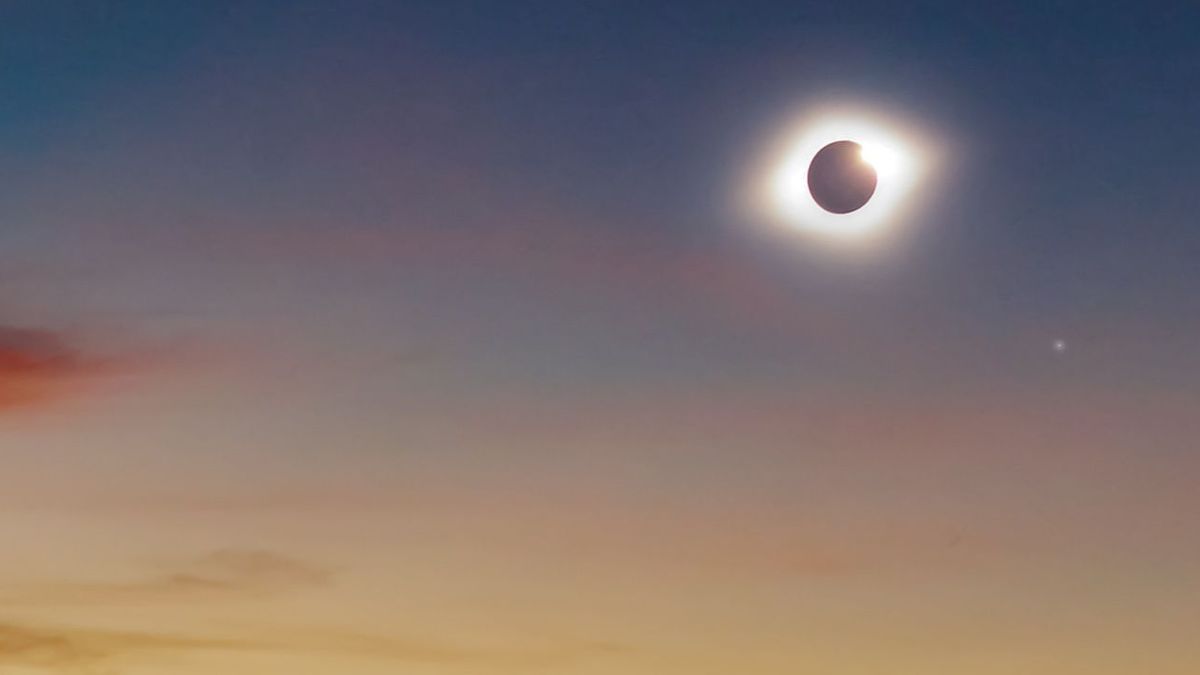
pixel 783 194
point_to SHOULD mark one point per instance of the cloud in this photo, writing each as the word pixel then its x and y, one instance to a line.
pixel 38 365
pixel 242 571
pixel 236 574
pixel 82 649
pixel 88 650
pixel 222 573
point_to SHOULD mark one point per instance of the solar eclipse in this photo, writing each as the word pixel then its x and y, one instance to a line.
pixel 841 175
pixel 839 179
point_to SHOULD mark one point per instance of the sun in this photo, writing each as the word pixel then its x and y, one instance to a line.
pixel 884 158
pixel 782 186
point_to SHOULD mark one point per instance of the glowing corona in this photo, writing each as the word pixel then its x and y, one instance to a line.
pixel 783 193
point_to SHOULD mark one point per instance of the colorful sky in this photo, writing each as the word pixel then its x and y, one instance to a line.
pixel 422 337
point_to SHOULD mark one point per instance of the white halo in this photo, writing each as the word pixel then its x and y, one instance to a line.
pixel 782 192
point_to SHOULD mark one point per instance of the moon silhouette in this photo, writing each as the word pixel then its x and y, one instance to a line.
pixel 839 179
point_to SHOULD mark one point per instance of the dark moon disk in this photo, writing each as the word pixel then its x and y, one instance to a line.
pixel 839 179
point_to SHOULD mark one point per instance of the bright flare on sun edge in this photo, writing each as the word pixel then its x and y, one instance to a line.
pixel 899 162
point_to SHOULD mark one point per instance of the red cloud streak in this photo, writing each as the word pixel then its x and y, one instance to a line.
pixel 39 366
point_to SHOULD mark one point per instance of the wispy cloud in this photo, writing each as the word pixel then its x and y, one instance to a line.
pixel 74 650
pixel 88 650
pixel 236 574
pixel 223 573
pixel 39 365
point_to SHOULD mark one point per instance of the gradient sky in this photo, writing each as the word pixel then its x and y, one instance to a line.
pixel 423 337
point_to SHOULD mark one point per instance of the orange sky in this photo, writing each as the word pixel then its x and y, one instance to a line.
pixel 426 338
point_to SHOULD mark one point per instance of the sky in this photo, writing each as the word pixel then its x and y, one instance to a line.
pixel 429 338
